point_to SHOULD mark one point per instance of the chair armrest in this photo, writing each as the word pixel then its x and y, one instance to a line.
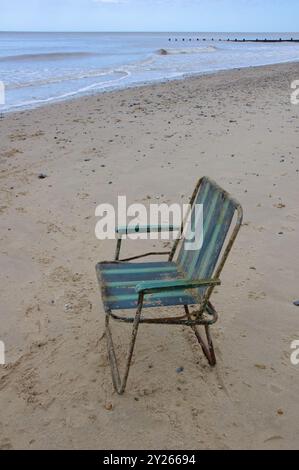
pixel 123 230
pixel 151 287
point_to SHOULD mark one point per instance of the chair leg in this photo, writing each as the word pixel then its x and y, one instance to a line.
pixel 212 360
pixel 208 349
pixel 118 383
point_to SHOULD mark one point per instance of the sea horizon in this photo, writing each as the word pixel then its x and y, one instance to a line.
pixel 147 31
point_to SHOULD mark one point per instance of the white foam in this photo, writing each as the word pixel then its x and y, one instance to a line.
pixel 188 50
pixel 98 85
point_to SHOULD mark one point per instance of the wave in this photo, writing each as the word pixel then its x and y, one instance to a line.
pixel 68 77
pixel 64 96
pixel 189 50
pixel 46 56
pixel 119 73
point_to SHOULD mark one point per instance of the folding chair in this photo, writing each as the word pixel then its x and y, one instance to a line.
pixel 188 278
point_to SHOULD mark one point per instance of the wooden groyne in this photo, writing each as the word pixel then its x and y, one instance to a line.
pixel 236 40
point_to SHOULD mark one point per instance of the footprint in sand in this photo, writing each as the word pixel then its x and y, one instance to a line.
pixel 5 444
pixel 256 295
pixel 61 274
pixel 11 153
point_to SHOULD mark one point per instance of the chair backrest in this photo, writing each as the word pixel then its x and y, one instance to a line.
pixel 218 212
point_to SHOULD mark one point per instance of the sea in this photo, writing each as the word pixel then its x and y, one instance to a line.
pixel 41 68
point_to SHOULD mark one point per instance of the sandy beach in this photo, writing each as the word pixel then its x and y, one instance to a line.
pixel 150 143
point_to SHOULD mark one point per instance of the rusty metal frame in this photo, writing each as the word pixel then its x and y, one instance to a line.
pixel 147 229
pixel 206 315
pixel 207 347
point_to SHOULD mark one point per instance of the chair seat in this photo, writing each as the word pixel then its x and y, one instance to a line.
pixel 118 281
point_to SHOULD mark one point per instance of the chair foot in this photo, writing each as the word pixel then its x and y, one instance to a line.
pixel 207 348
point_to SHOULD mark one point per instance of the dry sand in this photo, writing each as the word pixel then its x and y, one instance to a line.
pixel 237 127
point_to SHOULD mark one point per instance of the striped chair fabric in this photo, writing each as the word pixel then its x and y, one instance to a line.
pixel 119 280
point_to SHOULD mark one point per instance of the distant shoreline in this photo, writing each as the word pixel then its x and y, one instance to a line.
pixel 38 69
pixel 114 90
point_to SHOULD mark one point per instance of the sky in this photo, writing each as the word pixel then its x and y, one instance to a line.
pixel 150 15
